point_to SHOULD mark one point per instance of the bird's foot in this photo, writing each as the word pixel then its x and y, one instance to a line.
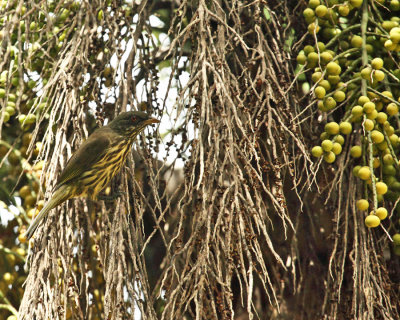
pixel 111 197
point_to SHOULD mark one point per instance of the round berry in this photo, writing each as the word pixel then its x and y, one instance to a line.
pixel 333 68
pixel 390 45
pixel 321 46
pixel 336 148
pixel 301 58
pixel 376 163
pixel 368 107
pixel 388 159
pixel 366 73
pixel 362 100
pixel 312 58
pixel 6 116
pixel 378 75
pixel 362 204
pixel 356 3
pixel 372 115
pixel 356 151
pixel 326 56
pixel 357 111
pixel 321 11
pixel 320 92
pixel 314 3
pixel 339 139
pixel 324 136
pixel 326 84
pixel 329 103
pixel 387 94
pixel 344 10
pixel 382 213
pixel 396 239
pixel 356 170
pixel 356 41
pixel 377 136
pixel 317 151
pixel 320 105
pixel 372 221
pixel 381 118
pixel 329 157
pixel 345 127
pixel 313 28
pixel 377 63
pixel 392 109
pixel 316 76
pixel 339 96
pixel 369 124
pixel 364 173
pixel 389 170
pixel 333 79
pixel 308 13
pixel 327 145
pixel 308 49
pixel 332 128
pixel 381 188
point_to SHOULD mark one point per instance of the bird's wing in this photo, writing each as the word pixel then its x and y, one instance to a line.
pixel 87 154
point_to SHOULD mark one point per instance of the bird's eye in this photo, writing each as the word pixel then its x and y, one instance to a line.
pixel 134 118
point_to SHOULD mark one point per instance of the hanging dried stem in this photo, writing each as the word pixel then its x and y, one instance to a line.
pixel 245 228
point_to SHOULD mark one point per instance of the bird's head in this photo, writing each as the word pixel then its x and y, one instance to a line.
pixel 129 124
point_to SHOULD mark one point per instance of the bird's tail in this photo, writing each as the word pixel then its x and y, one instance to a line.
pixel 59 196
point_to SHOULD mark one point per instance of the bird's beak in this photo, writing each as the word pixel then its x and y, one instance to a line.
pixel 152 120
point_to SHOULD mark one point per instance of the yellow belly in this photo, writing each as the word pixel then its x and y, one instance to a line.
pixel 95 180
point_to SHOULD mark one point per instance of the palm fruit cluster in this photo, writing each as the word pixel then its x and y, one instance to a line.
pixel 23 37
pixel 352 64
pixel 34 37
pixel 27 48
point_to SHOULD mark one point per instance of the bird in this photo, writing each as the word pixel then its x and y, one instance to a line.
pixel 96 162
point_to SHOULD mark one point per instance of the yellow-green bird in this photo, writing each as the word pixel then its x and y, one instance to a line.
pixel 96 161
